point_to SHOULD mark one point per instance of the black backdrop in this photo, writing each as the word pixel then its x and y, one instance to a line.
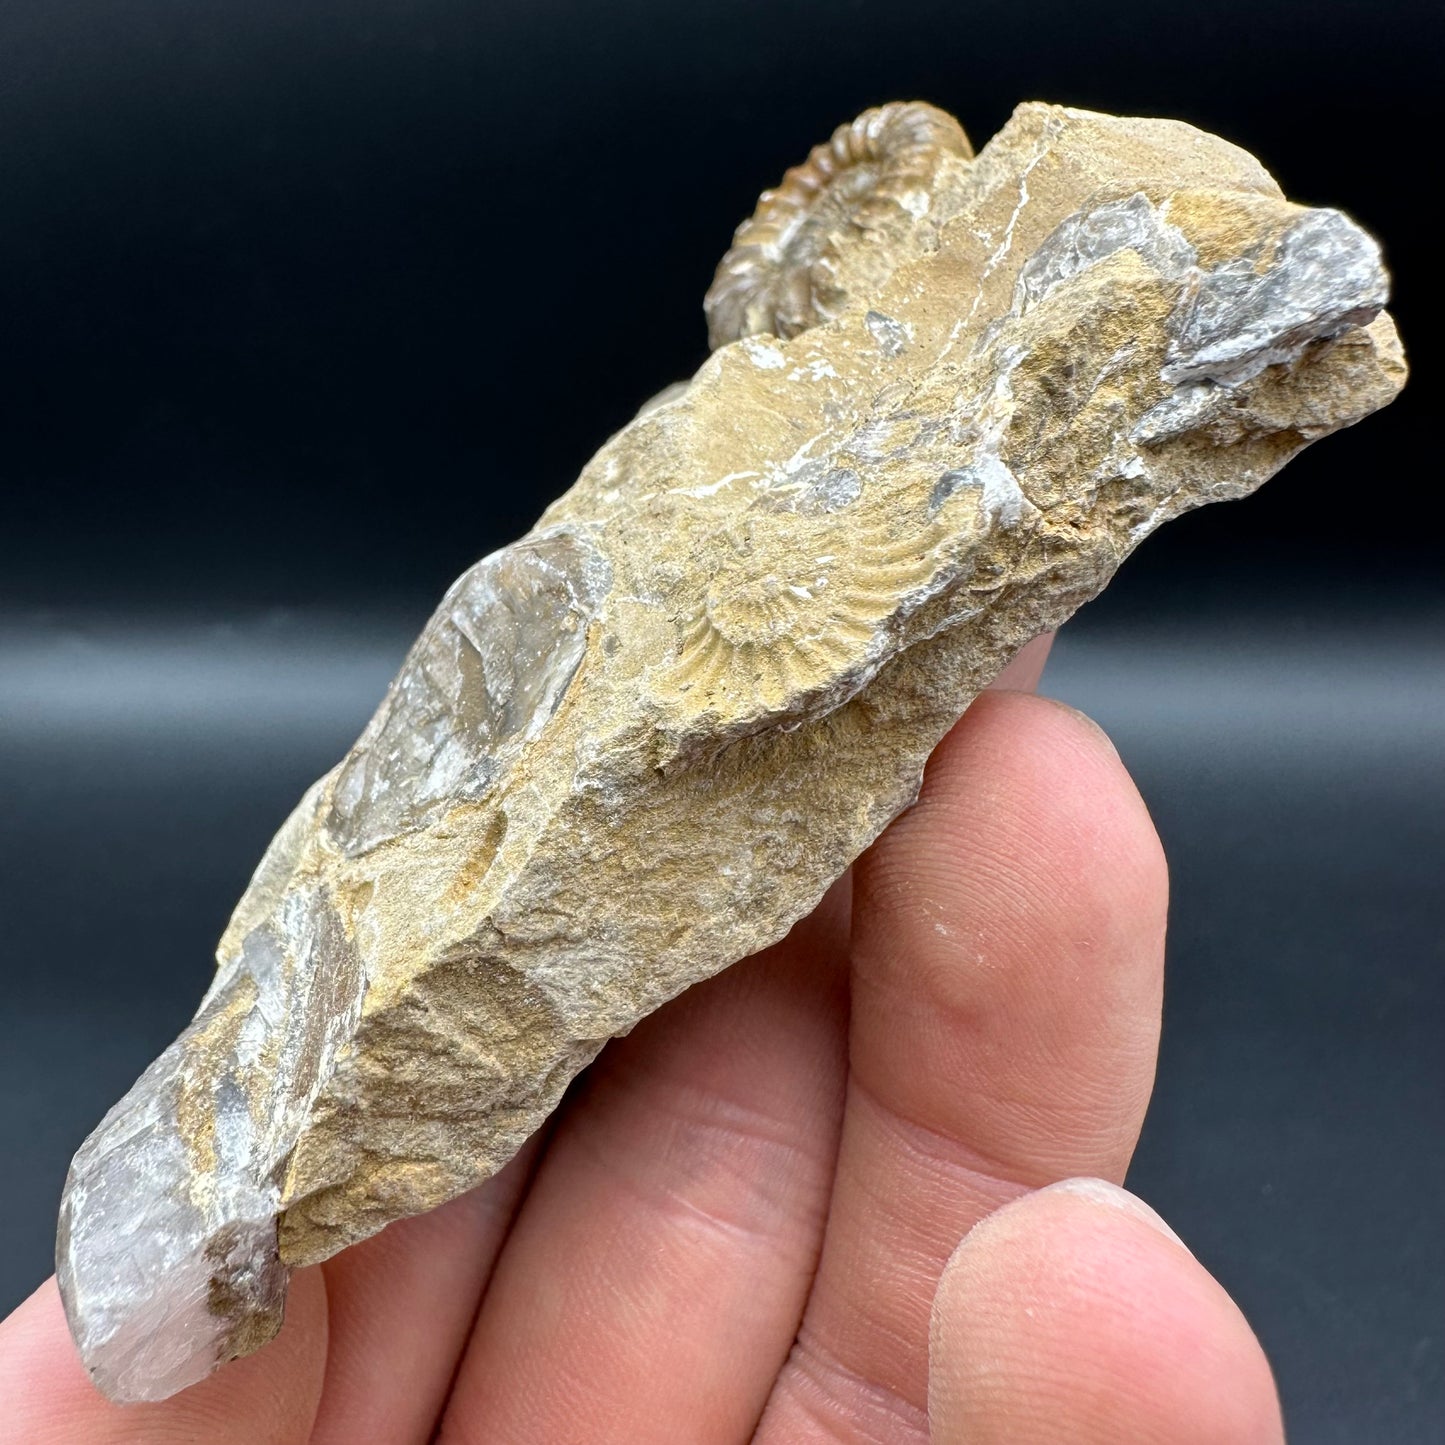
pixel 310 300
pixel 305 307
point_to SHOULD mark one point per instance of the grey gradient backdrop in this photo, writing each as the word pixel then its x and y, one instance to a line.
pixel 307 307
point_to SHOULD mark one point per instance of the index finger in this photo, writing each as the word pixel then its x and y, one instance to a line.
pixel 1007 958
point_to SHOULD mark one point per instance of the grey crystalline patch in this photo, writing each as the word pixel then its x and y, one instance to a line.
pixel 817 488
pixel 489 669
pixel 837 488
pixel 137 1250
pixel 892 336
pixel 1325 277
pixel 1235 320
pixel 1188 407
pixel 1089 236
pixel 896 434
pixel 999 492
pixel 166 1253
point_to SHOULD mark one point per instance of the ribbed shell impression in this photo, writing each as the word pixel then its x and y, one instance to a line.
pixel 774 621
pixel 865 184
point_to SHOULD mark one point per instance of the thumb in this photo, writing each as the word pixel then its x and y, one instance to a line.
pixel 1075 1313
pixel 267 1399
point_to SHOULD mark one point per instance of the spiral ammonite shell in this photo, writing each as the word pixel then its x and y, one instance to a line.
pixel 874 175
pixel 775 621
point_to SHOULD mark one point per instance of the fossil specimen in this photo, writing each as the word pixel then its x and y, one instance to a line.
pixel 854 201
pixel 949 395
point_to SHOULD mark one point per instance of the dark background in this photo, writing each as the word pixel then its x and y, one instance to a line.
pixel 305 307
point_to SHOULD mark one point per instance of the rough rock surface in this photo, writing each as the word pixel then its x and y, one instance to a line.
pixel 949 396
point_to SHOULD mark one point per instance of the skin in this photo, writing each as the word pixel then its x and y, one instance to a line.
pixel 861 1187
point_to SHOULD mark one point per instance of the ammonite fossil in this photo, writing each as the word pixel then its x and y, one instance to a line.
pixel 788 608
pixel 864 188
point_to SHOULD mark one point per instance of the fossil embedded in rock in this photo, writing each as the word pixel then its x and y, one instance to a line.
pixel 860 196
pixel 949 396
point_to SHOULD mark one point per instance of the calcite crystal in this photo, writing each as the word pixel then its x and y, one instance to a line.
pixel 948 396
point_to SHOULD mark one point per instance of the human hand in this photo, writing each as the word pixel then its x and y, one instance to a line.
pixel 745 1223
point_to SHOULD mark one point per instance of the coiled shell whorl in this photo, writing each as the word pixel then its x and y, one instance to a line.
pixel 862 189
pixel 788 609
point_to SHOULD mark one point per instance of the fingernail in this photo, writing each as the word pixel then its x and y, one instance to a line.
pixel 1100 1191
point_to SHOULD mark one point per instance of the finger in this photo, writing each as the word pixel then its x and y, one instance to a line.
pixel 1074 1314
pixel 1007 970
pixel 269 1398
pixel 654 1280
pixel 401 1306
pixel 1026 667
